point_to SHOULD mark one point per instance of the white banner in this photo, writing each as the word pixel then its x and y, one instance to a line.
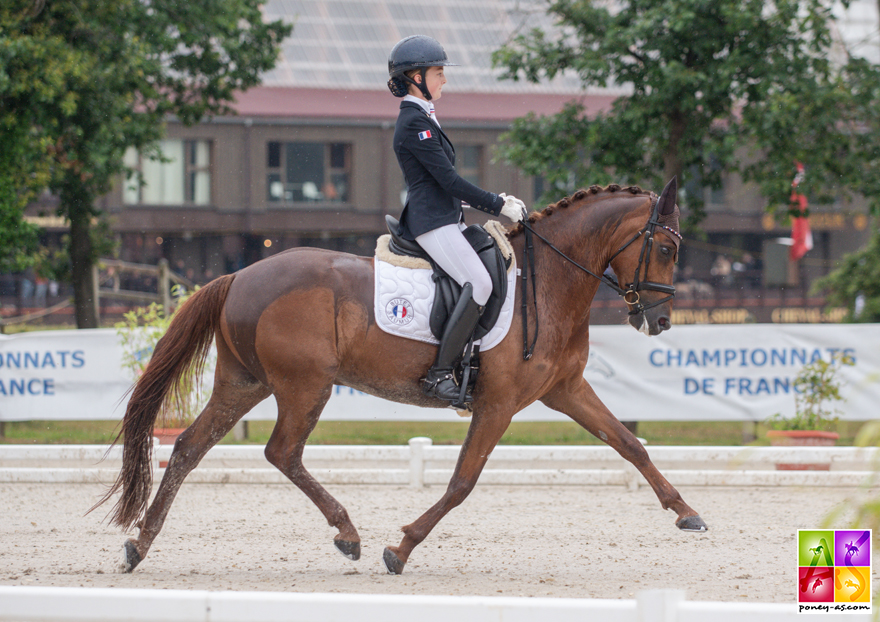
pixel 734 372
pixel 700 372
pixel 63 374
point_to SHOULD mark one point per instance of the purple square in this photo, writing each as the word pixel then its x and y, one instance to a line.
pixel 852 547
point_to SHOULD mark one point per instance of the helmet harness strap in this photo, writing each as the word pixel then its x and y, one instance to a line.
pixel 423 86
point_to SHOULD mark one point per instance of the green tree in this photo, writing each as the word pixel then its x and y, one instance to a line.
pixel 26 88
pixel 855 284
pixel 136 63
pixel 18 239
pixel 715 85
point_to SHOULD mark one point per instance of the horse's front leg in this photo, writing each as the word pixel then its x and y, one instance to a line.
pixel 483 434
pixel 577 399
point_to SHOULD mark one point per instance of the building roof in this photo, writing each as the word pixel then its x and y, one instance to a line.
pixel 334 64
pixel 344 44
pixel 856 30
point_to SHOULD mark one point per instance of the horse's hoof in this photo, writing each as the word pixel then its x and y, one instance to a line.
pixel 691 523
pixel 352 550
pixel 130 557
pixel 392 562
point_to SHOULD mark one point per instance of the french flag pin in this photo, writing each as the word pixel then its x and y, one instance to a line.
pixel 424 135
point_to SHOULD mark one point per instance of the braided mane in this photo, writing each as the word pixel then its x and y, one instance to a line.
pixel 577 196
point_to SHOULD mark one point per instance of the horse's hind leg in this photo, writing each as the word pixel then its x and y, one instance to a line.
pixel 577 399
pixel 235 393
pixel 298 413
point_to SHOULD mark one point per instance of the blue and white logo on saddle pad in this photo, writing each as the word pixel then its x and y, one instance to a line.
pixel 405 292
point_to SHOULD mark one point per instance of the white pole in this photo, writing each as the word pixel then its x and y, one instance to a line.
pixel 417 447
pixel 658 605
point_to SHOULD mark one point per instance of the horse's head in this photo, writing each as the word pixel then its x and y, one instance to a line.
pixel 644 265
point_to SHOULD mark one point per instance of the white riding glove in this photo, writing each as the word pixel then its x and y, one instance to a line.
pixel 513 208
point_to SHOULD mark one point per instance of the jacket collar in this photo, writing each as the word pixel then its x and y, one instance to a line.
pixel 423 104
pixel 414 105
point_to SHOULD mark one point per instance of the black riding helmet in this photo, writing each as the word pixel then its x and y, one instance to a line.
pixel 415 52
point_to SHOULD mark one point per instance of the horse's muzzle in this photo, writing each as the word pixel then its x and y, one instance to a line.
pixel 649 323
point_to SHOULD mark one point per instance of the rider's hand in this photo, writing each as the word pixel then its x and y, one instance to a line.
pixel 513 208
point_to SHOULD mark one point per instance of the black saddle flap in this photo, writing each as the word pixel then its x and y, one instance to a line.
pixel 478 238
pixel 447 293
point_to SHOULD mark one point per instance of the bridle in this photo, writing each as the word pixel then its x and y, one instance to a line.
pixel 630 294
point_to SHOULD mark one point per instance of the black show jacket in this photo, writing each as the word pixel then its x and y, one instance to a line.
pixel 435 189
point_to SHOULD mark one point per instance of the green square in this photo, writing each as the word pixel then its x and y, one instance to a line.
pixel 815 547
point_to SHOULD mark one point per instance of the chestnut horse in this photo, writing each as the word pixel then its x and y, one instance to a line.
pixel 297 323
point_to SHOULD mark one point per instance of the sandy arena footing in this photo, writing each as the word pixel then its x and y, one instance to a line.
pixel 562 541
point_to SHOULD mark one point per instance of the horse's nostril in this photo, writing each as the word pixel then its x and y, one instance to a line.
pixel 664 323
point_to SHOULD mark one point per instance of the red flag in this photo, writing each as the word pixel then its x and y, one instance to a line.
pixel 800 225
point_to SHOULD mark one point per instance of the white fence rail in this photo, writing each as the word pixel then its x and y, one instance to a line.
pixel 422 463
pixel 45 604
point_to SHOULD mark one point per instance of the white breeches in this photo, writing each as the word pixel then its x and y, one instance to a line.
pixel 452 252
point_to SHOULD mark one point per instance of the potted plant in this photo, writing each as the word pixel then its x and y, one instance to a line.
pixel 815 384
pixel 139 332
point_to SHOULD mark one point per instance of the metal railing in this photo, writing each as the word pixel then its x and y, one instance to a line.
pixel 107 286
pixel 164 279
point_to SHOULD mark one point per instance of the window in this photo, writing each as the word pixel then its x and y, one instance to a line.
pixel 715 196
pixel 308 172
pixel 469 163
pixel 539 187
pixel 182 177
pixel 696 184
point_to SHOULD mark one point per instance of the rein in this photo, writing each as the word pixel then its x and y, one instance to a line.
pixel 630 294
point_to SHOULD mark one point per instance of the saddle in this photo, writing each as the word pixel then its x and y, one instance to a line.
pixel 447 291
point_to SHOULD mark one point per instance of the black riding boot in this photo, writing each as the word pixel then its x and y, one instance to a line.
pixel 440 381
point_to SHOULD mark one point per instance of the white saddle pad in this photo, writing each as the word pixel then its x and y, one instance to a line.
pixel 404 296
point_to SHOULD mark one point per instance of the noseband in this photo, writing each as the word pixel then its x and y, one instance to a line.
pixel 630 294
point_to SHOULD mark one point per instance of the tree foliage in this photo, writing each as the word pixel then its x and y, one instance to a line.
pixel 94 77
pixel 720 85
pixel 26 89
pixel 18 239
pixel 855 284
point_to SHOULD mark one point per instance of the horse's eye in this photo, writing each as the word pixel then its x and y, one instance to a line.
pixel 664 250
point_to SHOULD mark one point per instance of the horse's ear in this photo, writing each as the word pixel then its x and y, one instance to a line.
pixel 666 202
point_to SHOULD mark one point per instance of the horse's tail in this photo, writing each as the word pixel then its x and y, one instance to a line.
pixel 184 347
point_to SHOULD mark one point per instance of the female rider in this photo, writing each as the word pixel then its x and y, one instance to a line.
pixel 432 215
